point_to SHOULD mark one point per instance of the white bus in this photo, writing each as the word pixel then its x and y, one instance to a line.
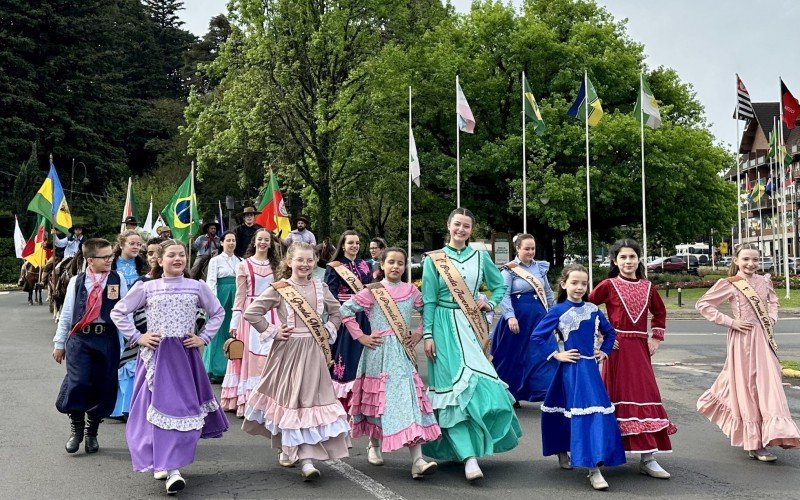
pixel 701 251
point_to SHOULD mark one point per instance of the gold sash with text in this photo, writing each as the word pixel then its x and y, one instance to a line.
pixel 760 308
pixel 394 317
pixel 532 281
pixel 347 276
pixel 463 297
pixel 308 315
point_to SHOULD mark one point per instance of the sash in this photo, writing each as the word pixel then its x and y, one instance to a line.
pixel 463 297
pixel 759 307
pixel 347 276
pixel 532 281
pixel 394 316
pixel 308 315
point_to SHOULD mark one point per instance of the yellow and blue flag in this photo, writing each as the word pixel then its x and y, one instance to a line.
pixel 578 109
pixel 181 213
pixel 51 203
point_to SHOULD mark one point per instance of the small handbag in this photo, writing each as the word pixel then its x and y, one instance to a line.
pixel 233 348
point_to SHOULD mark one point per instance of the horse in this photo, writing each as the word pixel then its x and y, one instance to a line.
pixel 59 282
pixel 199 269
pixel 30 281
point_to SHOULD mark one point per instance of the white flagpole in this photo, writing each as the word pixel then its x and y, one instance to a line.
pixel 760 218
pixel 524 166
pixel 772 208
pixel 644 209
pixel 193 198
pixel 738 172
pixel 783 187
pixel 588 182
pixel 458 153
pixel 124 207
pixel 409 187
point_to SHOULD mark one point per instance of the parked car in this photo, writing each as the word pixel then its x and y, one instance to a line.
pixel 673 264
pixel 794 265
pixel 605 263
pixel 725 261
pixel 766 264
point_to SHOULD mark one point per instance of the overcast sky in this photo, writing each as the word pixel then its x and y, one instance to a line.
pixel 706 41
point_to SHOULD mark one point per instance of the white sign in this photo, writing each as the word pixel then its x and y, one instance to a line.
pixel 502 252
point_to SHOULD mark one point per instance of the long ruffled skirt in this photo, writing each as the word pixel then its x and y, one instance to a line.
pixel 747 400
pixel 294 404
pixel 389 401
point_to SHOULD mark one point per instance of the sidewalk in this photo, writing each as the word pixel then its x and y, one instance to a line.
pixel 689 312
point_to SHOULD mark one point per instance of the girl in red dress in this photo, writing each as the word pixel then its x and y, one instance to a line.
pixel 628 373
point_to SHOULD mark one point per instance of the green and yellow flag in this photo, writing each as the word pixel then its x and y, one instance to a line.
pixel 51 203
pixel 532 109
pixel 578 109
pixel 181 214
pixel 646 107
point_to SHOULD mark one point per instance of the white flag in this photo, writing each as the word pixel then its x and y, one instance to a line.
pixel 19 240
pixel 413 159
pixel 466 122
pixel 148 223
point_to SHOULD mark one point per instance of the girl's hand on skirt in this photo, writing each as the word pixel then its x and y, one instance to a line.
pixel 430 350
pixel 149 339
pixel 192 341
pixel 616 344
pixel 600 355
pixel 741 326
pixel 284 332
pixel 483 306
pixel 570 356
pixel 652 345
pixel 369 341
pixel 232 333
pixel 513 325
pixel 413 340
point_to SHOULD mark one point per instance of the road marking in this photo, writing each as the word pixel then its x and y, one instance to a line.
pixel 689 368
pixel 4 293
pixel 672 334
pixel 368 484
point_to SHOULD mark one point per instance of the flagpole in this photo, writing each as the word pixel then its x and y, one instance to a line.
pixel 458 153
pixel 524 166
pixel 783 187
pixel 644 209
pixel 760 219
pixel 191 216
pixel 736 158
pixel 588 182
pixel 409 186
pixel 773 251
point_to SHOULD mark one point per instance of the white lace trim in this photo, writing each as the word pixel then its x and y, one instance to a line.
pixel 184 424
pixel 571 320
pixel 579 411
pixel 146 355
pixel 625 304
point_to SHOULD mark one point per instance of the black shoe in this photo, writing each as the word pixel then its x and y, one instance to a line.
pixel 91 445
pixel 76 425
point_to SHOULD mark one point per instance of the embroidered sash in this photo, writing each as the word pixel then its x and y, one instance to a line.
pixel 463 297
pixel 760 308
pixel 308 315
pixel 347 276
pixel 393 316
pixel 532 281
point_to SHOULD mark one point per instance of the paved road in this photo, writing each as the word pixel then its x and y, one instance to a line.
pixel 33 463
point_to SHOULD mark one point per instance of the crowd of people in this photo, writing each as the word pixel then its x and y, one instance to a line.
pixel 314 346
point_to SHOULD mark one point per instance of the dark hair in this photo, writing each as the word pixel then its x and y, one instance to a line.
pixel 380 242
pixel 340 246
pixel 273 255
pixel 158 271
pixel 379 274
pixel 518 239
pixel 92 245
pixel 614 251
pixel 285 267
pixel 572 268
pixel 743 246
pixel 459 211
pixel 226 233
pixel 154 241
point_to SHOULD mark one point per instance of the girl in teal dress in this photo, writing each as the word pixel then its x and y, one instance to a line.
pixel 221 279
pixel 472 405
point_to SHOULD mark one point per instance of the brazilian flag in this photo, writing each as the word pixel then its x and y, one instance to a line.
pixel 181 213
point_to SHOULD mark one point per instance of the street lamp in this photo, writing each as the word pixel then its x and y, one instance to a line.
pixel 85 181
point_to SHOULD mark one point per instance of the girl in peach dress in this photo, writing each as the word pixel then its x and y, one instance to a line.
pixel 747 400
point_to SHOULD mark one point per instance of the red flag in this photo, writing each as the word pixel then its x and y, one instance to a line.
pixel 747 183
pixel 791 108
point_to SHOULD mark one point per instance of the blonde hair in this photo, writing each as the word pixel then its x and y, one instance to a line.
pixel 285 267
pixel 743 246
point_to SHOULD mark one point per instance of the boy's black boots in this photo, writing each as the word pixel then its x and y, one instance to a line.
pixel 92 423
pixel 76 424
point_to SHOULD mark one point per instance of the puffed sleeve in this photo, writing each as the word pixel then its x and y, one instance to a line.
pixel 430 296
pixel 122 314
pixel 362 301
pixel 707 304
pixel 506 308
pixel 548 290
pixel 659 322
pixel 216 313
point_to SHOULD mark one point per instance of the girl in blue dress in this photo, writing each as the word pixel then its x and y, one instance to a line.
pixel 577 414
pixel 521 364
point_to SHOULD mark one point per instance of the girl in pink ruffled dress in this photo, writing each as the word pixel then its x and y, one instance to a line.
pixel 294 404
pixel 747 400
pixel 389 404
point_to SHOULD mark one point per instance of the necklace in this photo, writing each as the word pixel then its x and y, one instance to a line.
pixel 303 285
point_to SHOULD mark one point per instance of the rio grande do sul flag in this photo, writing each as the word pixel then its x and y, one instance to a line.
pixel 646 108
pixel 50 202
pixel 274 215
pixel 34 252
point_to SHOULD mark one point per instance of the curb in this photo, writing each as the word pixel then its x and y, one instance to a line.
pixel 788 372
pixel 692 313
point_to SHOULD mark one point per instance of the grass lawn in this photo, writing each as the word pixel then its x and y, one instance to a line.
pixel 792 365
pixel 691 295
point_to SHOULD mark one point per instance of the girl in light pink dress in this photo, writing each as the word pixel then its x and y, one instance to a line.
pixel 747 400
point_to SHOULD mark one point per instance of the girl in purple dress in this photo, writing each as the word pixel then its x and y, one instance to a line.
pixel 173 403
